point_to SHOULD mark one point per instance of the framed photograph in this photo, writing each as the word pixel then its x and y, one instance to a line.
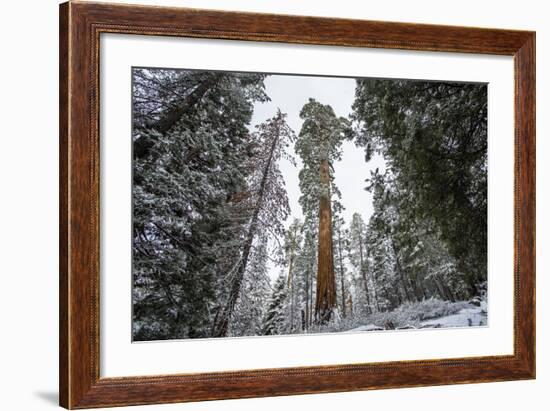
pixel 259 205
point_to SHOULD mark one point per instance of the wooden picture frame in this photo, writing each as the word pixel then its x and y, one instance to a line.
pixel 81 24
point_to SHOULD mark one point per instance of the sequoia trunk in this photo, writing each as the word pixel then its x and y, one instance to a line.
pixel 326 283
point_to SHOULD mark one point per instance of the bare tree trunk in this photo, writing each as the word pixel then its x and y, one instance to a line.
pixel 374 293
pixel 221 328
pixel 440 289
pixel 308 287
pixel 444 291
pixel 386 295
pixel 364 273
pixel 342 282
pixel 290 280
pixel 326 284
pixel 310 273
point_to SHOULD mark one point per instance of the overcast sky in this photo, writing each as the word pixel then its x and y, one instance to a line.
pixel 290 93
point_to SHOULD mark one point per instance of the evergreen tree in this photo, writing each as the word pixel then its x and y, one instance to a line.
pixel 210 205
pixel 359 261
pixel 255 291
pixel 293 248
pixel 319 144
pixel 433 136
pixel 341 247
pixel 306 268
pixel 389 282
pixel 274 321
pixel 187 174
pixel 407 255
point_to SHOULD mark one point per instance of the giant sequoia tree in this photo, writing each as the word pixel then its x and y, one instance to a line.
pixel 211 255
pixel 433 136
pixel 318 145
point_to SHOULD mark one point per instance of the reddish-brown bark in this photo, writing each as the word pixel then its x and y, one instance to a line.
pixel 326 282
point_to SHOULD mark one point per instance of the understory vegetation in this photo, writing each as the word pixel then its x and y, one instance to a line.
pixel 407 316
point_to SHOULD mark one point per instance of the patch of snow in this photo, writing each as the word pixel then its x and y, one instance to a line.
pixel 368 327
pixel 472 316
pixel 430 326
pixel 467 317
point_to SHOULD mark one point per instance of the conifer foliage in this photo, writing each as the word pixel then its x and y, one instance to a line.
pixel 220 248
pixel 194 158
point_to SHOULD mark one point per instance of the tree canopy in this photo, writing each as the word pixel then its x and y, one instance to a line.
pixel 218 248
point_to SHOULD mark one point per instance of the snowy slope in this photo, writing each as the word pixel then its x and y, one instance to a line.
pixel 466 317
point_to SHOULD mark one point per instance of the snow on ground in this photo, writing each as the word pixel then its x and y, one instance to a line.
pixel 369 327
pixel 467 317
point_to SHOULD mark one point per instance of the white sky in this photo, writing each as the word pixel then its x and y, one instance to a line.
pixel 290 93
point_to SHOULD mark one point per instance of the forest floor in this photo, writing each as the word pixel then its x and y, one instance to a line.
pixel 440 315
pixel 467 317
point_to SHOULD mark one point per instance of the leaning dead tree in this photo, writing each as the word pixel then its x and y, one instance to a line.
pixel 269 205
